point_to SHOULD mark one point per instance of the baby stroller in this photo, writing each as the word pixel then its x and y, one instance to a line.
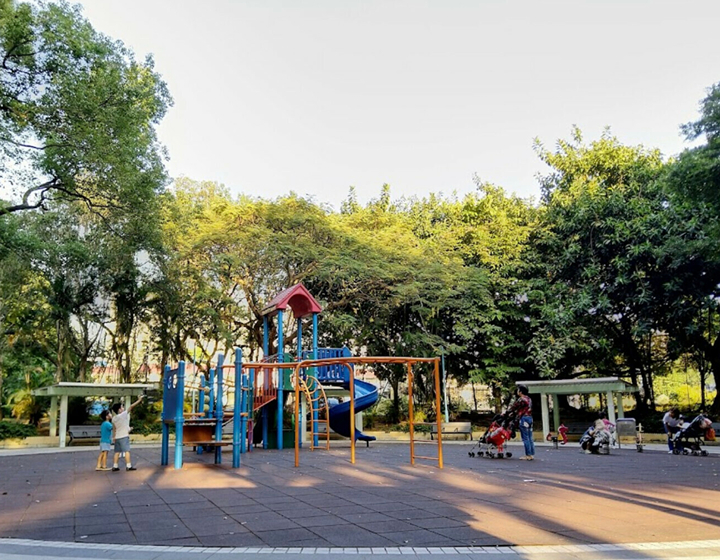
pixel 492 443
pixel 596 439
pixel 689 440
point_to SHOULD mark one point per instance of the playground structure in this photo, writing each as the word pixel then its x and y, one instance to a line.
pixel 258 390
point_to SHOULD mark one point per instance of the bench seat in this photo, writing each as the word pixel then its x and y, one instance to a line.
pixel 84 432
pixel 452 428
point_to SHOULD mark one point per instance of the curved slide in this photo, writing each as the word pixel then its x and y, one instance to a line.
pixel 366 395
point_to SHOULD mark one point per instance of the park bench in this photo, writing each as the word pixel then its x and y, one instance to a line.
pixel 452 428
pixel 84 432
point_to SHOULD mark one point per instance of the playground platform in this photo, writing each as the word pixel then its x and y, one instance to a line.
pixel 565 504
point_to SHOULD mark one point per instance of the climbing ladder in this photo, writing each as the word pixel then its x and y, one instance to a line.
pixel 317 400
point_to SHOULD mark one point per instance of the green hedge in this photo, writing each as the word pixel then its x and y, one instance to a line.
pixel 10 430
pixel 148 428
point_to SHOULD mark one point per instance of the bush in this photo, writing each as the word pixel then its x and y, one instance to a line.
pixel 9 430
pixel 147 428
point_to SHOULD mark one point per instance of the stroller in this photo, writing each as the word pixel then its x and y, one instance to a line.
pixel 689 440
pixel 596 439
pixel 492 443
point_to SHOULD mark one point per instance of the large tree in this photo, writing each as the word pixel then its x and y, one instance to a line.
pixel 77 114
pixel 605 261
pixel 695 178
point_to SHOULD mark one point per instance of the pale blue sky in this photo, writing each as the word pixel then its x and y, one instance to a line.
pixel 314 96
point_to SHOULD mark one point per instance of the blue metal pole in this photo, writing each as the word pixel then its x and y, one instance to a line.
pixel 239 409
pixel 211 407
pixel 210 410
pixel 245 411
pixel 179 416
pixel 250 405
pixel 219 408
pixel 266 353
pixel 201 399
pixel 266 337
pixel 281 374
pixel 317 388
pixel 166 413
pixel 165 444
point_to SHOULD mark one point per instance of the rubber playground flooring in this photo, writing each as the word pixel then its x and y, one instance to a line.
pixel 563 497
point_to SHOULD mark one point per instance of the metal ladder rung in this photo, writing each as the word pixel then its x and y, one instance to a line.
pixel 428 458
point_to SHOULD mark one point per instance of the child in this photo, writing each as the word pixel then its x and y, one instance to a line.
pixel 121 431
pixel 105 440
pixel 562 432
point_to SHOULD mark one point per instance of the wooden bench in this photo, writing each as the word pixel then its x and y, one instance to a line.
pixel 84 432
pixel 452 428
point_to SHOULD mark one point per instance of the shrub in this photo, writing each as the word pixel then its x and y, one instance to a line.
pixel 147 428
pixel 9 430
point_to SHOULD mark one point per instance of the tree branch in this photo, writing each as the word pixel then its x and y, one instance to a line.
pixel 26 205
pixel 32 147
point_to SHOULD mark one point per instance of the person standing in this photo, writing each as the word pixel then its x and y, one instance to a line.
pixel 521 409
pixel 106 430
pixel 671 425
pixel 121 431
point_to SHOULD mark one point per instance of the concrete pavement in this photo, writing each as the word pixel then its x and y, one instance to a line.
pixel 379 506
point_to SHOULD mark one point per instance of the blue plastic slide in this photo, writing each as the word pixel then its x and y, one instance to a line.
pixel 366 395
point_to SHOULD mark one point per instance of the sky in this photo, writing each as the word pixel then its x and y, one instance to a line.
pixel 315 96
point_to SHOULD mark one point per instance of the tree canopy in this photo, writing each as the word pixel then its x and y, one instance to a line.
pixel 77 114
pixel 614 271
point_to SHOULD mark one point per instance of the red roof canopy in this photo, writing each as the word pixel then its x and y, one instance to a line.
pixel 297 298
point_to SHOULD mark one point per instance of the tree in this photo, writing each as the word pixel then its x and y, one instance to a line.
pixel 605 252
pixel 696 174
pixel 695 179
pixel 396 284
pixel 225 260
pixel 484 328
pixel 27 329
pixel 77 114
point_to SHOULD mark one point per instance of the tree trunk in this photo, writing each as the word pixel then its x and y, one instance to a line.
pixel 59 352
pixel 497 397
pixel 396 400
pixel 714 359
pixel 711 355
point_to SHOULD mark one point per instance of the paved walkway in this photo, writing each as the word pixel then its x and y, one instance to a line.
pixel 380 505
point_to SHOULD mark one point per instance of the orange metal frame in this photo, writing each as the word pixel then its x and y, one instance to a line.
pixel 348 363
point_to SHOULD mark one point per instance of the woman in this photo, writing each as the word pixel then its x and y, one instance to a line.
pixel 522 410
pixel 671 425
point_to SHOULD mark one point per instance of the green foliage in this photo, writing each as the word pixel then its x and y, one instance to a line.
pixel 149 427
pixel 11 430
pixel 681 388
pixel 615 272
pixel 612 253
pixel 77 113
